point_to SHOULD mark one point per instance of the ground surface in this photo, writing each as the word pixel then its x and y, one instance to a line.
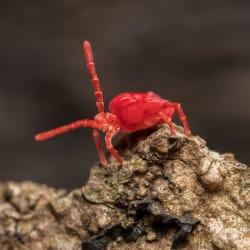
pixel 171 192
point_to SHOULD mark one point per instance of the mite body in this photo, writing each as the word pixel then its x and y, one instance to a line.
pixel 129 112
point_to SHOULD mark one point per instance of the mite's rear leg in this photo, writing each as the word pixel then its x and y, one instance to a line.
pixel 108 140
pixel 97 141
pixel 167 117
pixel 182 118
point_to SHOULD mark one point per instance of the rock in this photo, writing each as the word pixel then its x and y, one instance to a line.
pixel 171 192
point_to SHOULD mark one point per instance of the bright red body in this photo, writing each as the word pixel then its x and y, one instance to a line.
pixel 137 111
pixel 129 112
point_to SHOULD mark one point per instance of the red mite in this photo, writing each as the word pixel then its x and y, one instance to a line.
pixel 129 112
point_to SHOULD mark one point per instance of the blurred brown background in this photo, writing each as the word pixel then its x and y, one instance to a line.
pixel 195 52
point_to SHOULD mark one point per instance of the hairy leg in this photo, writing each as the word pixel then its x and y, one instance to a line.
pixel 97 141
pixel 87 50
pixel 167 117
pixel 182 117
pixel 108 140
pixel 64 129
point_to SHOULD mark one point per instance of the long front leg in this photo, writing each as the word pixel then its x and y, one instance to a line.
pixel 64 129
pixel 97 141
pixel 108 140
pixel 87 50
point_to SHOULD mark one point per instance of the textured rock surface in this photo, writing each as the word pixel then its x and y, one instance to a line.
pixel 171 192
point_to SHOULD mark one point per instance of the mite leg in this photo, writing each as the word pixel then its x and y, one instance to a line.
pixel 64 129
pixel 167 117
pixel 87 51
pixel 108 140
pixel 182 118
pixel 97 141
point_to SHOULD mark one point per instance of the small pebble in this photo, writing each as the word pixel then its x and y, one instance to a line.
pixel 154 194
pixel 34 235
pixel 151 236
pixel 142 191
pixel 103 221
pixel 119 239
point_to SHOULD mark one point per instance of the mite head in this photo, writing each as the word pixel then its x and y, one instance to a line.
pixel 106 121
